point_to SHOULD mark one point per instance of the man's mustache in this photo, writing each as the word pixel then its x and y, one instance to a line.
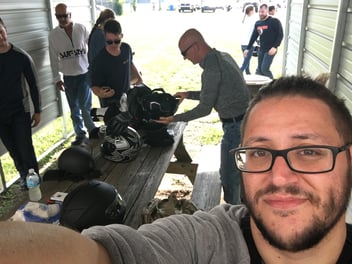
pixel 290 189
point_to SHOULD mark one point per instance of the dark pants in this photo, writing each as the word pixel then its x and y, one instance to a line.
pixel 264 62
pixel 229 175
pixel 16 135
pixel 79 98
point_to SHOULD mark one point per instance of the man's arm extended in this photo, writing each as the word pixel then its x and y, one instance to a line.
pixel 34 243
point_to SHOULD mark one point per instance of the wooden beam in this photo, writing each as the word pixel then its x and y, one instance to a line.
pixel 189 169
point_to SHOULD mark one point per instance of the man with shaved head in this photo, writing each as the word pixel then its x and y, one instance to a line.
pixel 223 89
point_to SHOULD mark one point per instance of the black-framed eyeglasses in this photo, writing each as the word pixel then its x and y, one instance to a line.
pixel 184 52
pixel 58 16
pixel 304 159
pixel 115 41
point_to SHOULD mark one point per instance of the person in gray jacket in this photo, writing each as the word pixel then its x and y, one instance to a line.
pixel 224 89
pixel 295 158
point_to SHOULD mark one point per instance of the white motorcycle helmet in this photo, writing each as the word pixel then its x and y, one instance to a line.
pixel 122 148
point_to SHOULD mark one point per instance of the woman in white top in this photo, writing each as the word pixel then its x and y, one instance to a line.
pixel 247 29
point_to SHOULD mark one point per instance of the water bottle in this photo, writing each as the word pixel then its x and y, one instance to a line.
pixel 33 184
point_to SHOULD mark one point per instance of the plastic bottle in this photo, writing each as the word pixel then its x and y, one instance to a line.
pixel 33 184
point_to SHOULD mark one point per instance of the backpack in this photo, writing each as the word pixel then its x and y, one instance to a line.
pixel 146 105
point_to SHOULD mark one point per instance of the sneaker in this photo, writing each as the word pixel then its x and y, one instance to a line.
pixel 94 133
pixel 23 184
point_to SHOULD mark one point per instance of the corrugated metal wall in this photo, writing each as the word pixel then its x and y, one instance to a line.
pixel 28 24
pixel 319 39
pixel 28 28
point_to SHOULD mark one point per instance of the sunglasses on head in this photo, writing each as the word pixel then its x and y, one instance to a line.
pixel 58 16
pixel 116 41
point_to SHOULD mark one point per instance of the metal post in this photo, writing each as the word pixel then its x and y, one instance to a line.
pixel 3 187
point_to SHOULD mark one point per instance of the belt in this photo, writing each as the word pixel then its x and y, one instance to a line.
pixel 232 120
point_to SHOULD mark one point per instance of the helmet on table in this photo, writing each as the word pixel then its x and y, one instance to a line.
pixel 92 203
pixel 122 148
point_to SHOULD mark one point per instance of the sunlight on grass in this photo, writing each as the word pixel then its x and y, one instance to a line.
pixel 211 135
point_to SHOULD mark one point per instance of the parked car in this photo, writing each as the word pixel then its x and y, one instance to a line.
pixel 186 7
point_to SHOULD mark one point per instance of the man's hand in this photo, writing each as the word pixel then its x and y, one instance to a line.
pixel 35 119
pixel 165 120
pixel 181 96
pixel 245 52
pixel 60 85
pixel 103 92
pixel 272 51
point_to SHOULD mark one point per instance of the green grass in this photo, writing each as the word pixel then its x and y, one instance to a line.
pixel 154 39
pixel 43 140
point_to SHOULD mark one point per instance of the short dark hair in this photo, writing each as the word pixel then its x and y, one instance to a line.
pixel 263 6
pixel 271 8
pixel 249 8
pixel 308 88
pixel 112 26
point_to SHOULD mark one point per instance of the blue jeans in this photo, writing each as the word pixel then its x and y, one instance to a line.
pixel 229 175
pixel 16 134
pixel 79 98
pixel 264 62
pixel 246 60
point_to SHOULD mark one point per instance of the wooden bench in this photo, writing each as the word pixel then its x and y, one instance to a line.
pixel 206 192
pixel 137 181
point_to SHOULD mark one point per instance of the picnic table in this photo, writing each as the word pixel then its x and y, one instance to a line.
pixel 255 82
pixel 137 181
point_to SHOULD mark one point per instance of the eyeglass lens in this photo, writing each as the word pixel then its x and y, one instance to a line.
pixel 116 41
pixel 305 159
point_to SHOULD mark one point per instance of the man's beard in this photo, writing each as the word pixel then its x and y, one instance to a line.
pixel 318 227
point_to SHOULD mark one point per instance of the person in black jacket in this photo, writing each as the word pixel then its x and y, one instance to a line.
pixel 270 33
pixel 16 122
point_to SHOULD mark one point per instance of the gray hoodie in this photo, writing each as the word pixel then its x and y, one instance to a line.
pixel 213 237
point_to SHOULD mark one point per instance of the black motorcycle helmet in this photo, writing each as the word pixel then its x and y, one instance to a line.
pixel 92 203
pixel 76 160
